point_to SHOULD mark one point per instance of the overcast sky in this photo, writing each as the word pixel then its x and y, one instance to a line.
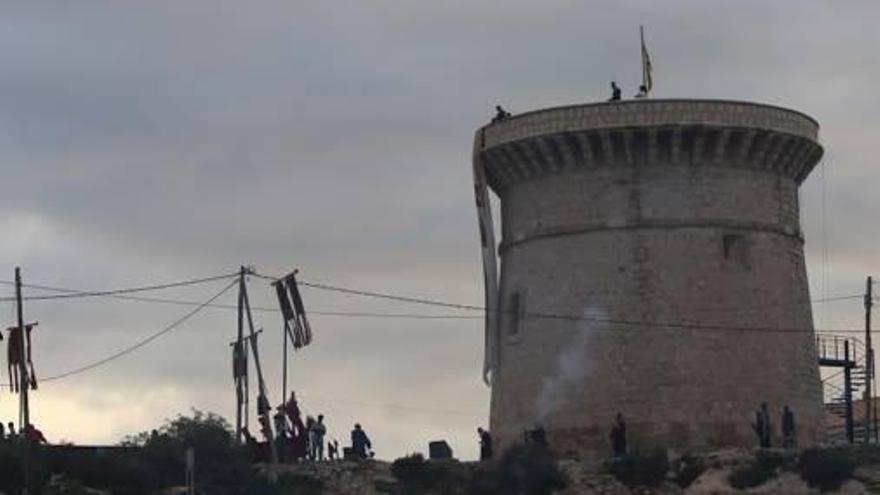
pixel 149 142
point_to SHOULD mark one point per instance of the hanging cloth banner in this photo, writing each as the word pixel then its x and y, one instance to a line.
pixel 302 332
pixel 13 357
pixel 33 376
pixel 239 360
pixel 296 324
pixel 284 302
pixel 490 262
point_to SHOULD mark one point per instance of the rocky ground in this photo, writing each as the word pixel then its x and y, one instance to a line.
pixel 467 478
pixel 375 478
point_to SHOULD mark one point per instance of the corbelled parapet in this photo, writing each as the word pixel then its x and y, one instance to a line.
pixel 650 132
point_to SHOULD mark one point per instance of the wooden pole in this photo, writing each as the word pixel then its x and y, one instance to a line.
pixel 238 342
pixel 261 394
pixel 284 366
pixel 869 358
pixel 24 407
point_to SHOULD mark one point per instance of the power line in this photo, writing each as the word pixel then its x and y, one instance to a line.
pixel 142 343
pixel 183 302
pixel 113 292
pixel 555 316
pixel 450 412
pixel 392 297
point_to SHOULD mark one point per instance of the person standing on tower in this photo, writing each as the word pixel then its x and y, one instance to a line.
pixel 615 91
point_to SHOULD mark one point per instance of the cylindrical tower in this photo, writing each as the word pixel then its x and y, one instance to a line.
pixel 651 265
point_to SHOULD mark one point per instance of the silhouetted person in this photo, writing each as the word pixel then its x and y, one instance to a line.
pixel 643 92
pixel 618 437
pixel 332 450
pixel 317 438
pixel 538 436
pixel 615 92
pixel 485 444
pixel 762 426
pixel 32 434
pixel 259 451
pixel 500 114
pixel 789 434
pixel 360 443
pixel 10 428
pixel 2 433
pixel 282 443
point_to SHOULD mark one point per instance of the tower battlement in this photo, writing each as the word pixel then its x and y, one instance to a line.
pixel 650 132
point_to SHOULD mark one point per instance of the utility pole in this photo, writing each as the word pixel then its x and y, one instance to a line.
pixel 264 409
pixel 239 348
pixel 284 366
pixel 23 406
pixel 869 358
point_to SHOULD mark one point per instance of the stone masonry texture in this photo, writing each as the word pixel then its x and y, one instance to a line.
pixel 651 264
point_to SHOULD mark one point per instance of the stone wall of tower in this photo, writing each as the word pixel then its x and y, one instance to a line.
pixel 652 264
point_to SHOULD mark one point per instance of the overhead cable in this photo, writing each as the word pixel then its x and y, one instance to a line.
pixel 113 292
pixel 141 343
pixel 568 317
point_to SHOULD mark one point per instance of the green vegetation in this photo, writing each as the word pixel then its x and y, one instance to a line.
pixel 522 470
pixel 641 469
pixel 825 469
pixel 763 468
pixel 687 469
pixel 417 475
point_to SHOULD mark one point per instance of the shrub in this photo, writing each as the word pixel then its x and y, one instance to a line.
pixel 300 485
pixel 749 476
pixel 763 468
pixel 641 469
pixel 825 469
pixel 411 470
pixel 525 469
pixel 416 475
pixel 687 469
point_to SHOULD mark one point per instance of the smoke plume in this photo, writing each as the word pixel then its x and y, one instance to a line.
pixel 573 366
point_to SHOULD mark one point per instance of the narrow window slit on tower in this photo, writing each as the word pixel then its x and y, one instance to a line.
pixel 516 312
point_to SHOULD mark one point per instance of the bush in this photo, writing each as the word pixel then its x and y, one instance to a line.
pixel 525 469
pixel 825 469
pixel 411 470
pixel 641 469
pixel 416 475
pixel 687 469
pixel 749 476
pixel 763 468
pixel 300 485
pixel 11 479
pixel 530 469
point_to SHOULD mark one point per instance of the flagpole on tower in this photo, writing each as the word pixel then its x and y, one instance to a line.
pixel 647 68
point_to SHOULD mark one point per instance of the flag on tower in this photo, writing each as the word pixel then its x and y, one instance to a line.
pixel 647 81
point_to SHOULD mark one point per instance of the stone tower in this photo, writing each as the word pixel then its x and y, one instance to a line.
pixel 651 264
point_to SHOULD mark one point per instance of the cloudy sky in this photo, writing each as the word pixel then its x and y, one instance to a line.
pixel 149 142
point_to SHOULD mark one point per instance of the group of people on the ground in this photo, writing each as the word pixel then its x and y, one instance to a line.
pixel 296 441
pixel 763 428
pixel 30 433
